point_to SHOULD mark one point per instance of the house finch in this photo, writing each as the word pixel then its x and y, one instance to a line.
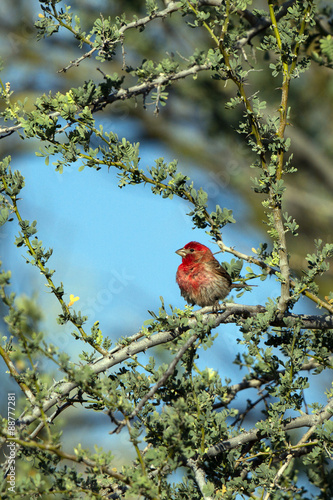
pixel 201 278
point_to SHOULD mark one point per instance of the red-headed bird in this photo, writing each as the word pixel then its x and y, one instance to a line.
pixel 201 278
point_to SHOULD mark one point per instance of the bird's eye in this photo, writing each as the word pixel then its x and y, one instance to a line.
pixel 191 249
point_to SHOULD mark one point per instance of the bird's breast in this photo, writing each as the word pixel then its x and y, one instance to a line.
pixel 191 277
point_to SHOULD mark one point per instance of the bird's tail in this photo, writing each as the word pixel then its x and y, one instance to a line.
pixel 241 285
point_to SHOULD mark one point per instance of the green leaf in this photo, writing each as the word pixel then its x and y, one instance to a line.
pixel 4 214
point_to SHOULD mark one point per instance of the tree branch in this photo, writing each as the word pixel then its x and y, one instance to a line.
pixel 260 24
pixel 168 372
pixel 51 448
pixel 77 61
pixel 139 343
pixel 256 383
pixel 124 94
pixel 172 7
pixel 321 418
pixel 271 270
pixel 199 477
pixel 145 87
pixel 15 374
pixel 253 435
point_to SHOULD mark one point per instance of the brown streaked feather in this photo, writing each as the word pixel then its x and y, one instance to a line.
pixel 216 267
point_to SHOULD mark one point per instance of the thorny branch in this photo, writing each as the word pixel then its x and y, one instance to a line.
pixel 66 456
pixel 258 24
pixel 324 415
pixel 168 372
pixel 270 271
pixel 172 7
pixel 140 343
pixel 231 312
pixel 124 94
pixel 256 383
pixel 143 89
pixel 253 435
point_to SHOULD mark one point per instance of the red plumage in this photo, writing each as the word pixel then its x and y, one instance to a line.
pixel 201 278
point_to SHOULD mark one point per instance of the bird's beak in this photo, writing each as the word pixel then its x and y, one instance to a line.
pixel 182 252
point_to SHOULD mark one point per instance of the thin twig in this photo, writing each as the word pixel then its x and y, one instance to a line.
pixel 270 270
pixel 256 383
pixel 172 7
pixel 15 374
pixel 77 61
pixel 168 372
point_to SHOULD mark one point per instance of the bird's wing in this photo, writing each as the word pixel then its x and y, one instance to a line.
pixel 216 267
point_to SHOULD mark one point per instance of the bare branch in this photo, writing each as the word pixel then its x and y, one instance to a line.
pixel 77 61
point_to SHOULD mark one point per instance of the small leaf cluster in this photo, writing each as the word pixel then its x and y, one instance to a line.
pixel 52 20
pixel 105 33
pixel 318 264
pixel 11 182
pixel 325 54
pixel 148 70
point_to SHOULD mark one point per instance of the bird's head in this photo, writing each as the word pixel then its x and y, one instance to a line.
pixel 195 252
